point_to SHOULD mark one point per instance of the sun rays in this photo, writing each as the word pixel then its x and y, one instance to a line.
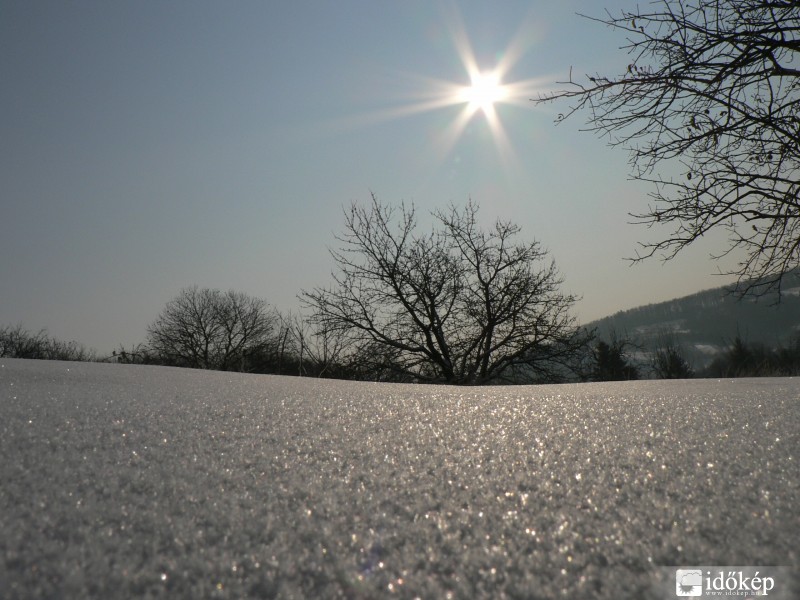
pixel 483 89
pixel 488 88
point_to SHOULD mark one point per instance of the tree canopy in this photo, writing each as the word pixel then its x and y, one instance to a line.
pixel 459 304
pixel 209 329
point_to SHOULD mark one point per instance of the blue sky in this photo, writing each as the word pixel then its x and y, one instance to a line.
pixel 148 146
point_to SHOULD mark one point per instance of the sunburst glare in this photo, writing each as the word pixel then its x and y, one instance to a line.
pixel 484 91
pixel 479 94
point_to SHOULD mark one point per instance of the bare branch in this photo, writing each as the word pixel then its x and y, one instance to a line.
pixel 711 87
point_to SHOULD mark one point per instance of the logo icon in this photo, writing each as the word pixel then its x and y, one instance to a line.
pixel 689 582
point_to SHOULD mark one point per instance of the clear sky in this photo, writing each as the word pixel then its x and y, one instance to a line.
pixel 148 146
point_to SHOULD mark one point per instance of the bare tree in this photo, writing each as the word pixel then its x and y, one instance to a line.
pixel 17 342
pixel 210 329
pixel 285 349
pixel 669 362
pixel 319 350
pixel 456 304
pixel 711 87
pixel 668 357
pixel 138 354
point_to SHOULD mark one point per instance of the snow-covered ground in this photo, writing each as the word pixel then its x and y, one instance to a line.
pixel 129 481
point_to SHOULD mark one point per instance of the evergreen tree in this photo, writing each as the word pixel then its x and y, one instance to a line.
pixel 611 364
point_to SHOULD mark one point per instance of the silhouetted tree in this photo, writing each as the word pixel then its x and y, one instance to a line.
pixel 138 354
pixel 711 87
pixel 611 363
pixel 787 360
pixel 210 329
pixel 280 356
pixel 17 342
pixel 374 361
pixel 458 304
pixel 319 351
pixel 743 359
pixel 669 363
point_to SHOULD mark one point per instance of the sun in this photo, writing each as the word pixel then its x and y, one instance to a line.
pixel 479 94
pixel 484 92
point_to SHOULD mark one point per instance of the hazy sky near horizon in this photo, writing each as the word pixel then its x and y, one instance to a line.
pixel 149 146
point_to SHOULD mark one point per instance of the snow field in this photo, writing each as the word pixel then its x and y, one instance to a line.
pixel 150 482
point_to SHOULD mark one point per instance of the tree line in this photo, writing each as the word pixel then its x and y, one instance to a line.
pixel 17 342
pixel 290 346
pixel 623 360
pixel 457 303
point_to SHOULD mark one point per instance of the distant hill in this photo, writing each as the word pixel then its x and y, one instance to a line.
pixel 706 323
